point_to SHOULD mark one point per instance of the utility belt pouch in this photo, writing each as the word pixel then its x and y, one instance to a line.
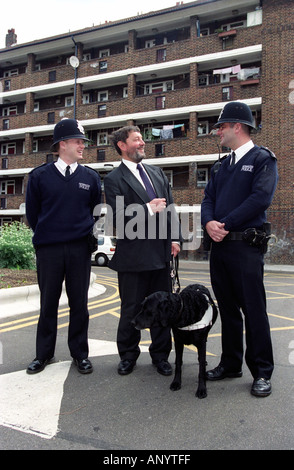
pixel 258 238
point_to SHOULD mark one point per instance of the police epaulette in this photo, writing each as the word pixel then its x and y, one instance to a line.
pixel 89 168
pixel 37 167
pixel 268 150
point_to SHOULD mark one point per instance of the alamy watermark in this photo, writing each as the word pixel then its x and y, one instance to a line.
pixel 134 221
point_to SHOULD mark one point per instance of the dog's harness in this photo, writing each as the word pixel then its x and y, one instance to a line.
pixel 205 320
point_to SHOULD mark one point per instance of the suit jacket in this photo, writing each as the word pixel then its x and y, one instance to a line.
pixel 143 240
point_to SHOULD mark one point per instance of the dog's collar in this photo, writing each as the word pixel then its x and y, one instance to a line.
pixel 205 321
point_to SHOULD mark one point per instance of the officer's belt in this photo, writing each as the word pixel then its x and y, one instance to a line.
pixel 234 236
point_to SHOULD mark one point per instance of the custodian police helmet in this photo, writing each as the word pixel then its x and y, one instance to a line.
pixel 67 129
pixel 235 111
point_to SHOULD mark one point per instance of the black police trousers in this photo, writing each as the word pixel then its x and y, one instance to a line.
pixel 71 262
pixel 237 280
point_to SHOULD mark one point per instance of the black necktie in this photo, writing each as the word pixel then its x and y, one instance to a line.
pixel 67 171
pixel 148 186
pixel 233 158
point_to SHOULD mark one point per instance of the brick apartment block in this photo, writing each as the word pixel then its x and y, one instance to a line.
pixel 172 68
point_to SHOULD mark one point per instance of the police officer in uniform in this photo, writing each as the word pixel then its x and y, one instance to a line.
pixel 60 200
pixel 233 214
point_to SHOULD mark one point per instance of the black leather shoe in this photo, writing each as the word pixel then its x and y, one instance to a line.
pixel 126 367
pixel 163 367
pixel 84 366
pixel 261 387
pixel 219 373
pixel 38 365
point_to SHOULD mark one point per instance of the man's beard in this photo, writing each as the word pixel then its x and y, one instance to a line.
pixel 136 157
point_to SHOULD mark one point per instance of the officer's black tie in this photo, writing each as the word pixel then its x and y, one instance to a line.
pixel 148 186
pixel 233 158
pixel 67 171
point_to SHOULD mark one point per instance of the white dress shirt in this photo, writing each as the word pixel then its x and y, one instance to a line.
pixel 240 152
pixel 61 166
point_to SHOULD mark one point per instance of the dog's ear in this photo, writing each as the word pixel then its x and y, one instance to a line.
pixel 164 309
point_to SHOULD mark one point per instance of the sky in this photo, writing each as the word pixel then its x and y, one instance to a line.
pixel 37 19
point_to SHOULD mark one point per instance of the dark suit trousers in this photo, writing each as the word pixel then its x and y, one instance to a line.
pixel 237 280
pixel 72 262
pixel 134 287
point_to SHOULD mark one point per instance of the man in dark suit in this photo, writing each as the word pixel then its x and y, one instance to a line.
pixel 147 232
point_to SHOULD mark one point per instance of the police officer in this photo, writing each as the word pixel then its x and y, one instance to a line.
pixel 60 200
pixel 233 213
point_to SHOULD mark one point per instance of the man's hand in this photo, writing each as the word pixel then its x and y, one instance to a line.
pixel 175 249
pixel 158 205
pixel 216 230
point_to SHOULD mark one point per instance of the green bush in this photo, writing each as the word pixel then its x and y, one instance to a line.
pixel 16 247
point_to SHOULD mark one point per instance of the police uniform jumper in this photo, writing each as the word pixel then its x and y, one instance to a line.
pixel 238 195
pixel 59 210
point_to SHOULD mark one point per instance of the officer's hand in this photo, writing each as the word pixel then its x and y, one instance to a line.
pixel 216 230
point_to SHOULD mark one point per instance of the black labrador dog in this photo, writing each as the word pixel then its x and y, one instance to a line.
pixel 190 314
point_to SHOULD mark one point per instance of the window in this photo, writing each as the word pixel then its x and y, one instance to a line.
pixel 102 110
pixel 7 187
pixel 8 149
pixel 125 92
pixel 225 77
pixel 51 118
pixel 11 73
pixel 101 155
pixel 104 53
pixel 86 98
pixel 87 56
pixel 69 101
pixel 5 124
pixel 202 177
pixel 203 127
pixel 150 43
pixel 227 93
pixel 161 55
pixel 52 76
pixel 204 32
pixel 3 203
pixel 4 164
pixel 6 85
pixel 103 66
pixel 203 80
pixel 37 67
pixel 36 106
pixel 10 111
pixel 237 24
pixel 103 95
pixel 159 150
pixel 102 138
pixel 160 87
pixel 35 146
pixel 160 102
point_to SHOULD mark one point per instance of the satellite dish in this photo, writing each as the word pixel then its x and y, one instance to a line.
pixel 74 61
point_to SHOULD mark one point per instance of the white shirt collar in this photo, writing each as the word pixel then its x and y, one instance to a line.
pixel 61 166
pixel 240 152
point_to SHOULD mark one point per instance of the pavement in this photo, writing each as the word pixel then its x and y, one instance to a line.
pixel 120 417
pixel 26 299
